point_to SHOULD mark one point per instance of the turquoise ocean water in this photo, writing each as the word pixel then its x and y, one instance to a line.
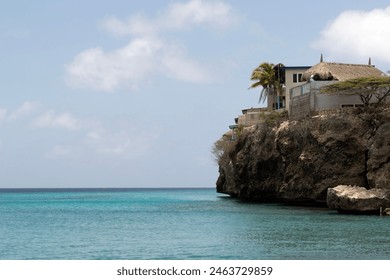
pixel 178 224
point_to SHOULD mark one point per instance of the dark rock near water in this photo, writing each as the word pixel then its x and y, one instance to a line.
pixel 298 161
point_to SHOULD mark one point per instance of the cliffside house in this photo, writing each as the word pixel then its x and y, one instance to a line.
pixel 302 94
pixel 289 77
pixel 307 99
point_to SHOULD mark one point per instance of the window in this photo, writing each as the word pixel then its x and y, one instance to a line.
pixel 297 78
pixel 280 104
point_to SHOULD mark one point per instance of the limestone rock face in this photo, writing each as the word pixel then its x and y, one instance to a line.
pixel 358 199
pixel 378 164
pixel 320 153
pixel 297 161
pixel 254 167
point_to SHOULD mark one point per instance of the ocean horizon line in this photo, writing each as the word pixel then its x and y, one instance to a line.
pixel 94 189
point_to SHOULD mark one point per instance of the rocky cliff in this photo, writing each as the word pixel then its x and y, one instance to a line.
pixel 297 161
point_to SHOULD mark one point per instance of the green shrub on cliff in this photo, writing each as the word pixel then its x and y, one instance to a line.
pixel 366 88
pixel 273 118
pixel 222 149
pixel 225 148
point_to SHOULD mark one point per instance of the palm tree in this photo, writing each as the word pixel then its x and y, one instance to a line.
pixel 267 75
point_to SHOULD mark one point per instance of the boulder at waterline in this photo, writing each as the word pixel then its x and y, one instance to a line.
pixel 358 199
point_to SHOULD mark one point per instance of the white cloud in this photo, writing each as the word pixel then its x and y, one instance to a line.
pixel 94 139
pixel 147 54
pixel 25 110
pixel 216 14
pixel 131 65
pixel 177 16
pixel 357 35
pixel 103 144
pixel 176 64
pixel 136 25
pixel 90 138
pixel 50 119
pixel 98 70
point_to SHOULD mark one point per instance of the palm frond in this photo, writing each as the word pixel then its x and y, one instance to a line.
pixel 265 77
pixel 255 85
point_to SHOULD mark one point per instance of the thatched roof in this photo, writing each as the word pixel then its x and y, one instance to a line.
pixel 327 71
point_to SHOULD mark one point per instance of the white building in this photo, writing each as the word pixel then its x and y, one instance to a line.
pixel 307 98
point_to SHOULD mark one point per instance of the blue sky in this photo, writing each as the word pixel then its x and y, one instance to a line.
pixel 135 93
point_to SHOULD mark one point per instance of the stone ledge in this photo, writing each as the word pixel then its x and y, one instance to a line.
pixel 354 199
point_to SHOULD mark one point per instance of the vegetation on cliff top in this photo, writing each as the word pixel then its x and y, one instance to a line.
pixel 366 88
pixel 224 148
